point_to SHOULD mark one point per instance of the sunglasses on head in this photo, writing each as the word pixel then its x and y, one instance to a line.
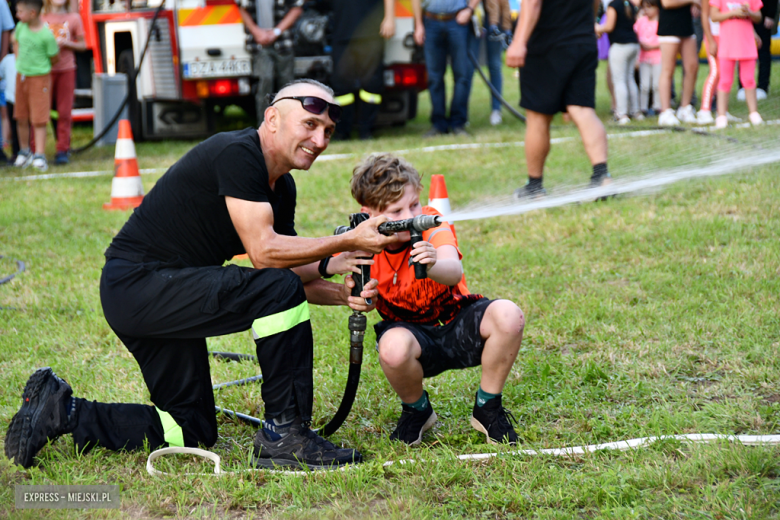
pixel 317 106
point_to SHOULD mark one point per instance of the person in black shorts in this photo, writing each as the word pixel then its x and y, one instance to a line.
pixel 433 324
pixel 164 290
pixel 555 48
pixel 676 36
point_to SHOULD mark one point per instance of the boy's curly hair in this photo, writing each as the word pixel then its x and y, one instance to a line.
pixel 380 180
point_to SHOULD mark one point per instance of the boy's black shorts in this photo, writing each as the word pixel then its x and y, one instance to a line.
pixel 456 345
pixel 564 75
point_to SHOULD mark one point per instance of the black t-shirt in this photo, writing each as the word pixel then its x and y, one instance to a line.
pixel 624 26
pixel 357 19
pixel 675 22
pixel 563 22
pixel 185 218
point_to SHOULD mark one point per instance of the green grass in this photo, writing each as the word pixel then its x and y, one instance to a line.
pixel 648 315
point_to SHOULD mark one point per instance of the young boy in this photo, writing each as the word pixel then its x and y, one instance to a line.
pixel 434 324
pixel 37 51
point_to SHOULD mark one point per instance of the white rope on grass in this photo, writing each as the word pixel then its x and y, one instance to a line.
pixel 631 444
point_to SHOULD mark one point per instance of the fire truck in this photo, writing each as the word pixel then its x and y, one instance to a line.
pixel 199 61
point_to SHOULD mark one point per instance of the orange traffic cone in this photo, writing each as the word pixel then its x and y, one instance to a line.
pixel 438 198
pixel 127 191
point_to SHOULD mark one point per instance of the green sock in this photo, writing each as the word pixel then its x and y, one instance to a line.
pixel 420 404
pixel 483 397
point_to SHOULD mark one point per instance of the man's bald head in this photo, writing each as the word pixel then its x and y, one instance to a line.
pixel 305 87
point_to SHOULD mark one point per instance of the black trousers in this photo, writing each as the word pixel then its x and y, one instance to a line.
pixel 764 56
pixel 357 65
pixel 163 314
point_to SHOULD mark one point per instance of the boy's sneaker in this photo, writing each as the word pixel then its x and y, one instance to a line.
pixel 39 162
pixel 493 420
pixel 42 417
pixel 413 424
pixel 61 158
pixel 686 114
pixel 23 159
pixel 755 119
pixel 495 117
pixel 667 118
pixel 300 448
pixel 704 117
pixel 721 122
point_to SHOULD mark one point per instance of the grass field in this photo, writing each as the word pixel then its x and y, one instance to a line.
pixel 650 315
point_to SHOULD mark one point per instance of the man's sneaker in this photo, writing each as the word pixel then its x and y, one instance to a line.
pixel 23 159
pixel 42 417
pixel 529 192
pixel 433 132
pixel 495 118
pixel 704 117
pixel 460 132
pixel 300 448
pixel 686 114
pixel 755 119
pixel 413 424
pixel 61 158
pixel 760 94
pixel 493 420
pixel 667 118
pixel 39 162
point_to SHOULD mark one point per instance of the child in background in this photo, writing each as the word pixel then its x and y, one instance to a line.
pixel 623 53
pixel 38 50
pixel 8 72
pixel 737 44
pixel 434 324
pixel 646 29
pixel 711 38
pixel 499 23
pixel 69 32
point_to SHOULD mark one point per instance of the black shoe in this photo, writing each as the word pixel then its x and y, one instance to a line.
pixel 528 192
pixel 492 419
pixel 301 448
pixel 433 132
pixel 460 131
pixel 412 424
pixel 42 417
pixel 598 182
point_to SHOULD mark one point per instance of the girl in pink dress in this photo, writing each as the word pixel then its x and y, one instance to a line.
pixel 737 44
pixel 646 29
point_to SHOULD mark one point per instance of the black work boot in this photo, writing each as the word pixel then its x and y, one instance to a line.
pixel 42 417
pixel 300 448
pixel 492 419
pixel 413 424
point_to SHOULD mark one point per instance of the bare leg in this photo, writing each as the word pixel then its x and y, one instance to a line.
pixel 594 136
pixel 723 102
pixel 690 60
pixel 40 139
pixel 611 88
pixel 537 142
pixel 399 354
pixel 23 129
pixel 668 64
pixel 751 100
pixel 502 329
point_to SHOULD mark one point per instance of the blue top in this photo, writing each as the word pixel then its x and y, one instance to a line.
pixel 444 6
pixel 6 20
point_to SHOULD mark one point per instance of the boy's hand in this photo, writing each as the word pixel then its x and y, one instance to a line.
pixel 348 262
pixel 359 304
pixel 424 253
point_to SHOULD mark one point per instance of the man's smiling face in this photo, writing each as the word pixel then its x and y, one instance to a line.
pixel 304 136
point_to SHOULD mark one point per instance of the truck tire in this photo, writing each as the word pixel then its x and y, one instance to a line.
pixel 126 65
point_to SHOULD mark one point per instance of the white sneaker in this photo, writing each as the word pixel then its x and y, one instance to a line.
pixel 23 159
pixel 638 116
pixel 755 119
pixel 733 119
pixel 686 114
pixel 667 118
pixel 741 94
pixel 39 163
pixel 623 120
pixel 495 117
pixel 704 117
pixel 721 122
pixel 760 94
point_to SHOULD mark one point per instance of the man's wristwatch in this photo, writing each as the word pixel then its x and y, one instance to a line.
pixel 277 32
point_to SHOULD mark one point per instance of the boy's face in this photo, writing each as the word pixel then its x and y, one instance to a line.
pixel 25 13
pixel 408 206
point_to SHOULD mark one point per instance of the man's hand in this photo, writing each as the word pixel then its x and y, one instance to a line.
pixel 264 37
pixel 366 237
pixel 348 262
pixel 419 34
pixel 359 303
pixel 424 253
pixel 387 29
pixel 464 15
pixel 769 22
pixel 515 54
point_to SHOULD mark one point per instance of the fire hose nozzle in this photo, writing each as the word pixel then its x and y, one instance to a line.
pixel 419 223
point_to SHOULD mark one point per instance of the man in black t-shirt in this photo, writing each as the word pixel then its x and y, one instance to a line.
pixel 555 48
pixel 164 290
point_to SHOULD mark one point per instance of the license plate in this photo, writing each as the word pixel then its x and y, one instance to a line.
pixel 217 68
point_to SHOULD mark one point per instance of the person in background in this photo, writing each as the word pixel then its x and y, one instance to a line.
pixel 7 25
pixel 69 32
pixel 764 31
pixel 499 35
pixel 737 44
pixel 37 52
pixel 8 72
pixel 676 36
pixel 711 37
pixel 273 62
pixel 360 28
pixel 623 53
pixel 442 26
pixel 646 28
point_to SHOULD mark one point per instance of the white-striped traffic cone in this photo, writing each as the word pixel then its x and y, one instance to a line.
pixel 127 190
pixel 439 200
